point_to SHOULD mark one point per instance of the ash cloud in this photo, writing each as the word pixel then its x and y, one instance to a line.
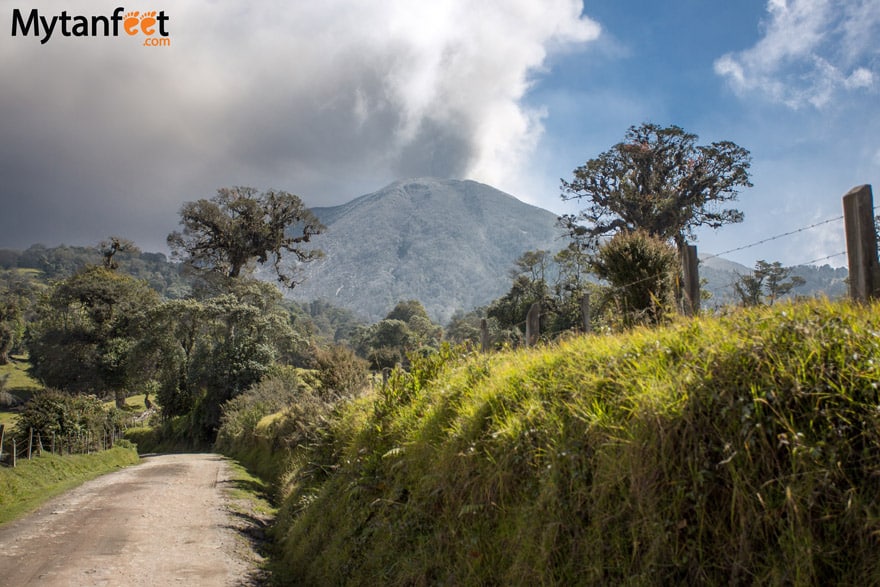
pixel 104 136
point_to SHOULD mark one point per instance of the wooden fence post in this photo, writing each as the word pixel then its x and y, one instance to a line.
pixel 533 324
pixel 484 335
pixel 691 276
pixel 861 243
pixel 14 453
pixel 30 442
pixel 585 313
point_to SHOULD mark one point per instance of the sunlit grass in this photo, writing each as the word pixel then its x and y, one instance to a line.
pixel 15 381
pixel 14 376
pixel 740 449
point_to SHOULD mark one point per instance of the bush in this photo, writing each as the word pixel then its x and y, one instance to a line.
pixel 241 414
pixel 52 412
pixel 642 271
pixel 262 427
pixel 341 372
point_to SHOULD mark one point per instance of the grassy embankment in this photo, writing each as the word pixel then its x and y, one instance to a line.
pixel 743 449
pixel 33 482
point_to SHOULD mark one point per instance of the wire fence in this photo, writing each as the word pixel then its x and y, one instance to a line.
pixel 33 444
pixel 860 233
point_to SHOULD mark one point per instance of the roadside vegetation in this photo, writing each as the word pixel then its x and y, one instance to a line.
pixel 33 482
pixel 740 449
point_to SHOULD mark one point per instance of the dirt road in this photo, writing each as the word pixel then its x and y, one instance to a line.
pixel 163 522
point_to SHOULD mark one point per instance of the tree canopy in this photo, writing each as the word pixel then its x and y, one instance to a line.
pixel 239 225
pixel 660 181
pixel 85 333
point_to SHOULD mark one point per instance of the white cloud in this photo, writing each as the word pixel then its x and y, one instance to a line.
pixel 810 52
pixel 860 78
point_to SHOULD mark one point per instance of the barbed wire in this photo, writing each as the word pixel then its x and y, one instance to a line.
pixel 744 247
pixel 776 237
pixel 737 249
pixel 822 259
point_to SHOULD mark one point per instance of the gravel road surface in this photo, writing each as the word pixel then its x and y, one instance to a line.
pixel 163 522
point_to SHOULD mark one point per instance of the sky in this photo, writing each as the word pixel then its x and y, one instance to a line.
pixel 109 135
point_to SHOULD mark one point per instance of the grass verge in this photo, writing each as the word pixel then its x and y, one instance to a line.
pixel 252 514
pixel 741 449
pixel 31 483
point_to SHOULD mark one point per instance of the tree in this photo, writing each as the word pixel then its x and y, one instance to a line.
pixel 767 283
pixel 405 329
pixel 558 282
pixel 238 226
pixel 18 295
pixel 209 351
pixel 529 285
pixel 113 245
pixel 51 412
pixel 86 330
pixel 660 181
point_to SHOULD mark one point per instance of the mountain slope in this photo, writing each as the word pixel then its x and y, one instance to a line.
pixel 446 243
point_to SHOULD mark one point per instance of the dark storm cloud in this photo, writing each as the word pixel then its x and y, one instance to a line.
pixel 104 136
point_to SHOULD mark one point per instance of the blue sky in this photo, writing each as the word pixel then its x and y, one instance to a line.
pixel 659 62
pixel 336 99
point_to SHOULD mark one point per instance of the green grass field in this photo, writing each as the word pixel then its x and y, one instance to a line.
pixel 15 377
pixel 15 380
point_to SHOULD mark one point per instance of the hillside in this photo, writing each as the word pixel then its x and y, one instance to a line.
pixel 449 244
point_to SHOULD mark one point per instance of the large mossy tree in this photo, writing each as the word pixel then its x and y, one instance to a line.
pixel 238 226
pixel 658 186
pixel 658 179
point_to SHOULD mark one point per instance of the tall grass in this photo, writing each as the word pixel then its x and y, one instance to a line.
pixel 743 449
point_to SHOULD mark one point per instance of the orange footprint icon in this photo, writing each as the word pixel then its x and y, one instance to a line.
pixel 148 21
pixel 130 22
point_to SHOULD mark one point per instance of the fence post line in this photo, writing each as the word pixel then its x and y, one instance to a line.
pixel 14 453
pixel 585 313
pixel 30 442
pixel 861 243
pixel 691 276
pixel 484 335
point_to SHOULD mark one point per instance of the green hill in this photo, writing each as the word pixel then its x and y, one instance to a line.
pixel 741 449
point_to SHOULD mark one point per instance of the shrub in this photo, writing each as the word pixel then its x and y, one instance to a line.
pixel 641 269
pixel 341 372
pixel 241 414
pixel 51 411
